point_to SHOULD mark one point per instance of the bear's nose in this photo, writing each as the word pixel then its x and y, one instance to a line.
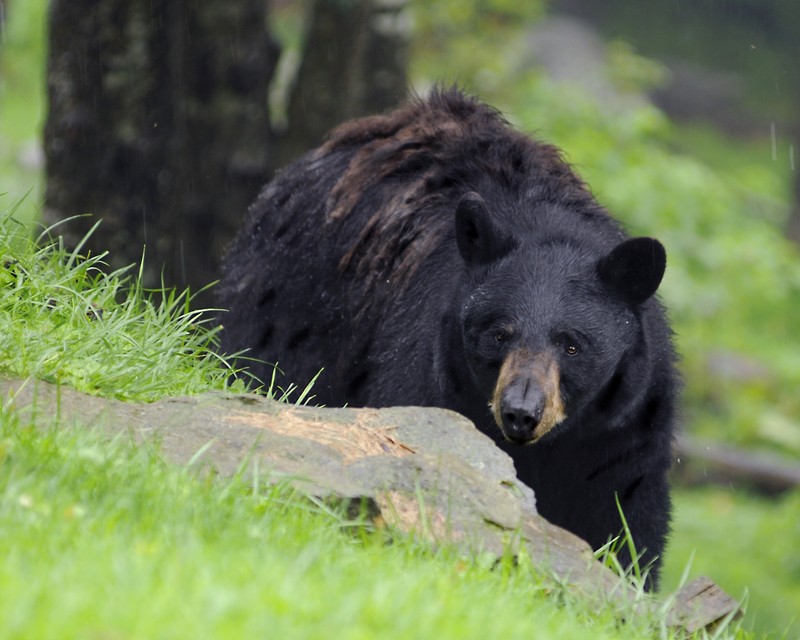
pixel 521 410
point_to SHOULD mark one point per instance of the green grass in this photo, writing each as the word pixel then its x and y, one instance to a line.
pixel 746 544
pixel 64 319
pixel 103 540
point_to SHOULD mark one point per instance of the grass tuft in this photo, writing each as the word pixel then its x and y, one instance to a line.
pixel 64 318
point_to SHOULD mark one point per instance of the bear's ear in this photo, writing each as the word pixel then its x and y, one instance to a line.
pixel 478 238
pixel 634 268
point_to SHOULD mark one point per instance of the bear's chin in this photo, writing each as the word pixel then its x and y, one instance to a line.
pixel 539 434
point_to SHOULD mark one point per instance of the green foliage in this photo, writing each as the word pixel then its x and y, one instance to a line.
pixel 630 72
pixel 64 319
pixel 755 39
pixel 22 55
pixel 23 43
pixel 447 30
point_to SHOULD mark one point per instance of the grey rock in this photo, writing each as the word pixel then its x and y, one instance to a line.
pixel 425 471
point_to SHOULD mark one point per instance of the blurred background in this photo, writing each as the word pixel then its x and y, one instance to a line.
pixel 684 118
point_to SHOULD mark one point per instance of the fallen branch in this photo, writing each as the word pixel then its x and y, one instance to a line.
pixel 706 462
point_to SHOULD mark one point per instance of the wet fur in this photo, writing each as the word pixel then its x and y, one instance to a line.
pixel 348 262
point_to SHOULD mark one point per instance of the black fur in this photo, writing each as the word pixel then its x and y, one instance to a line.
pixel 412 253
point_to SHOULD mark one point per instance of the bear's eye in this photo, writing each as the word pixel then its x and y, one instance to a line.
pixel 569 344
pixel 500 337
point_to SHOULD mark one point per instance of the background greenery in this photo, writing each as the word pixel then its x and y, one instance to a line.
pixel 22 53
pixel 732 286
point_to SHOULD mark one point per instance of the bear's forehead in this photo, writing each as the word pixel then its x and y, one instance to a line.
pixel 536 314
pixel 549 287
pixel 551 264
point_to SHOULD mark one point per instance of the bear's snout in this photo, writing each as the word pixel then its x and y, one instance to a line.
pixel 527 399
pixel 521 409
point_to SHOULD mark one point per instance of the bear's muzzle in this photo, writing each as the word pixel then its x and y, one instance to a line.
pixel 527 399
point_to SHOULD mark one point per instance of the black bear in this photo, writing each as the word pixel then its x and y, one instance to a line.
pixel 434 256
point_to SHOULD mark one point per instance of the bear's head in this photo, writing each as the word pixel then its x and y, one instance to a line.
pixel 546 321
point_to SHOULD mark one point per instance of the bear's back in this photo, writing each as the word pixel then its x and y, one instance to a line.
pixel 350 227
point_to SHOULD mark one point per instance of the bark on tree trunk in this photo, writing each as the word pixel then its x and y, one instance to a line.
pixel 158 121
pixel 353 64
pixel 157 125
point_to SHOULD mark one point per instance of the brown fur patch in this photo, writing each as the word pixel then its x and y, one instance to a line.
pixel 542 369
pixel 396 238
pixel 405 164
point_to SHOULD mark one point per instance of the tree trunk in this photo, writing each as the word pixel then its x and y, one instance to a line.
pixel 158 120
pixel 353 64
pixel 157 125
